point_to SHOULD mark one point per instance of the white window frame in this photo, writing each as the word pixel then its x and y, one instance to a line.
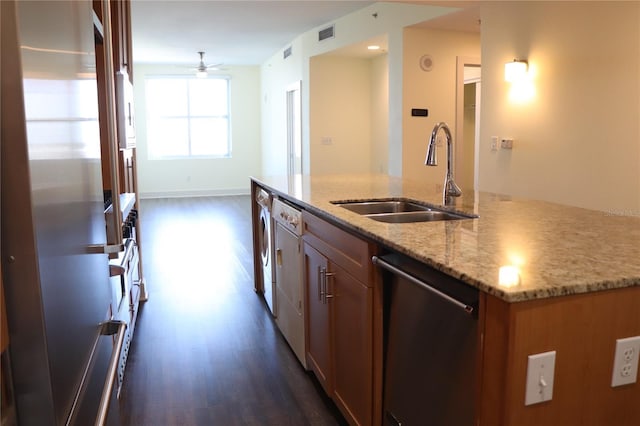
pixel 152 156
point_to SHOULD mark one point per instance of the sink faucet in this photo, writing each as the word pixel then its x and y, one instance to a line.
pixel 450 188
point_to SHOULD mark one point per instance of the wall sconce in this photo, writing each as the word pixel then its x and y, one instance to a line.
pixel 515 71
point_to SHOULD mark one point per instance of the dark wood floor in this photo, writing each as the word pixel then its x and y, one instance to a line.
pixel 206 351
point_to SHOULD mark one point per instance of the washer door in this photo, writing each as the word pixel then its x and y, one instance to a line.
pixel 265 248
pixel 265 237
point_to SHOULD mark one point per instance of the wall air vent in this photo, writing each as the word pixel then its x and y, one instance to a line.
pixel 287 52
pixel 326 33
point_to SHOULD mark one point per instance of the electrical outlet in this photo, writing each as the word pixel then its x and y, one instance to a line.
pixel 506 143
pixel 539 385
pixel 625 361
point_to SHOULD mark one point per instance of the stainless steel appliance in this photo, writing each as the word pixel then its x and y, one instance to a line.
pixel 266 249
pixel 289 275
pixel 431 345
pixel 63 347
pixel 125 283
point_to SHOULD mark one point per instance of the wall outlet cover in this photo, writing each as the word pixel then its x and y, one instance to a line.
pixel 540 370
pixel 506 143
pixel 625 361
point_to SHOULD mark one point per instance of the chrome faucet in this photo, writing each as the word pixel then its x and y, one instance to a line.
pixel 450 189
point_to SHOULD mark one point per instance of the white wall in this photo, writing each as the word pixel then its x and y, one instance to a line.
pixel 468 139
pixel 434 90
pixel 161 178
pixel 276 77
pixel 379 92
pixel 340 115
pixel 277 73
pixel 577 140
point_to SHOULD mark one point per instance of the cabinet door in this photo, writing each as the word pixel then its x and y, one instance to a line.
pixel 318 337
pixel 351 305
pixel 121 22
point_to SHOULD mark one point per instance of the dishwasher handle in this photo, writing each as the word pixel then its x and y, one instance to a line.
pixel 386 265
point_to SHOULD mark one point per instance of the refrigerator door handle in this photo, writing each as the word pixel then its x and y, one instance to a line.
pixel 110 328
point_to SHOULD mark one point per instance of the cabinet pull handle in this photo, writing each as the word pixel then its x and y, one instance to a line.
pixel 324 285
pixel 327 295
pixel 320 294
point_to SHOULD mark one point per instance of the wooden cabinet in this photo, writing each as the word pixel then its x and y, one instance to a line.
pixel 121 33
pixel 121 22
pixel 582 329
pixel 319 341
pixel 352 346
pixel 344 338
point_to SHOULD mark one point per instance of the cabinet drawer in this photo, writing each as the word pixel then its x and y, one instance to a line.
pixel 346 250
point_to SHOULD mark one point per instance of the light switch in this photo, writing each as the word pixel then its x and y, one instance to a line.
pixel 326 140
pixel 539 385
pixel 494 143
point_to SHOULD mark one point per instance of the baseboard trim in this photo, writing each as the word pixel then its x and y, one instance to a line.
pixel 197 193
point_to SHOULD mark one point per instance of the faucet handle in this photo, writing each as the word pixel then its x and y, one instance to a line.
pixel 451 189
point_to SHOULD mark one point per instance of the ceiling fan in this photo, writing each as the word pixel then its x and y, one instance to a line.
pixel 202 68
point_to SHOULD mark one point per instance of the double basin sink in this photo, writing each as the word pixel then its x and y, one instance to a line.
pixel 401 211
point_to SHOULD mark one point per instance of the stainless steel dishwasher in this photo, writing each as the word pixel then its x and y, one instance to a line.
pixel 431 345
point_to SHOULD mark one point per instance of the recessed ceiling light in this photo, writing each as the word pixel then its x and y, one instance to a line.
pixel 373 47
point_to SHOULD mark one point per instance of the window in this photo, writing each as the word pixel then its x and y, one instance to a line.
pixel 188 117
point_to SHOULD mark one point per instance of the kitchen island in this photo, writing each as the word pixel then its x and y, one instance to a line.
pixel 551 277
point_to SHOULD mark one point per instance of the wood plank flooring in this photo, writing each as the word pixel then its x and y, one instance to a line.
pixel 206 351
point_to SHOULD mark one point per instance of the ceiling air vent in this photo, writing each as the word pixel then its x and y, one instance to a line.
pixel 326 33
pixel 287 52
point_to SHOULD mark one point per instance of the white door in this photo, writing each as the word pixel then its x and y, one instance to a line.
pixel 289 289
pixel 294 130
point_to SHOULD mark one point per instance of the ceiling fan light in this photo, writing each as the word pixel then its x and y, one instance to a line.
pixel 201 74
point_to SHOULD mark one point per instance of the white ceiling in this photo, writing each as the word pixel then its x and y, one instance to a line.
pixel 239 32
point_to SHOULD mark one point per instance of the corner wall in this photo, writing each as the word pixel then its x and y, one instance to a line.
pixel 577 139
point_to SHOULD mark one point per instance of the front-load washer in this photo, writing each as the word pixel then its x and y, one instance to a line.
pixel 266 248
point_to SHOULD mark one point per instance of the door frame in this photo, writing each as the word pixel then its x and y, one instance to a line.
pixel 461 62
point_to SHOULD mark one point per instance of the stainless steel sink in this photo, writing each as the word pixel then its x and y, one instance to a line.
pixel 400 211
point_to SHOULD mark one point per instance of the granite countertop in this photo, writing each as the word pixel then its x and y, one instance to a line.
pixel 556 250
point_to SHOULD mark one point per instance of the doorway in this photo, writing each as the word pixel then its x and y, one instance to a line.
pixel 294 130
pixel 468 95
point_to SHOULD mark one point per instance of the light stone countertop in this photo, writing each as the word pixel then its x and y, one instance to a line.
pixel 557 250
